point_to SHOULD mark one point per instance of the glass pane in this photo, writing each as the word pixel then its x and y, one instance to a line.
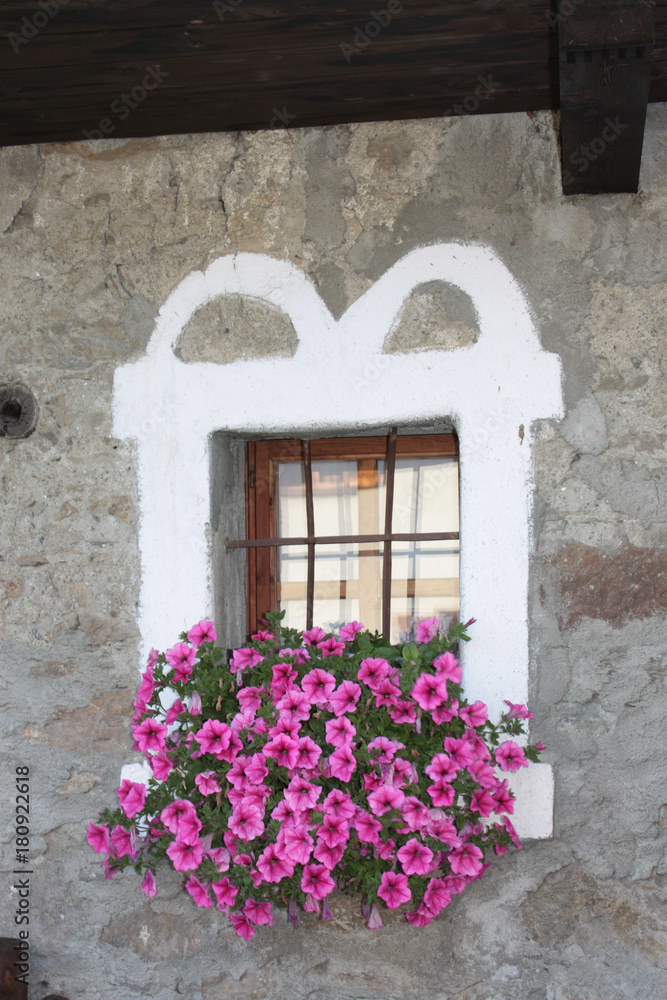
pixel 426 495
pixel 424 584
pixel 349 499
pixel 292 560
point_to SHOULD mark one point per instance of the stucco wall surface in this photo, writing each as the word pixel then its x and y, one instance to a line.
pixel 95 237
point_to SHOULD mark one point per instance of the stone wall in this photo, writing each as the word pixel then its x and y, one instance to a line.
pixel 94 238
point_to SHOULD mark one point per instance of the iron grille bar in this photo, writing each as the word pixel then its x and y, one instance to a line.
pixel 310 527
pixel 388 516
pixel 414 536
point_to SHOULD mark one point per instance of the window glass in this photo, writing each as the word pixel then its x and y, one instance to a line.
pixel 349 499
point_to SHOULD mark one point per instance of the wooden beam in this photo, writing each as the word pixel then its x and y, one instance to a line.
pixel 605 57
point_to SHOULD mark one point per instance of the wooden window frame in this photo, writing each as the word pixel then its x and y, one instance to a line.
pixel 261 540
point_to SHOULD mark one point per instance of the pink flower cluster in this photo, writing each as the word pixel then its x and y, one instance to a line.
pixel 333 768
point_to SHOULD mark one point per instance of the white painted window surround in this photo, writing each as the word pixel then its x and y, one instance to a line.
pixel 492 391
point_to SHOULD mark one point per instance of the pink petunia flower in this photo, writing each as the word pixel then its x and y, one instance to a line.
pixel 517 712
pixel 368 828
pixel 447 666
pixel 161 765
pixel 309 753
pixel 220 857
pixel 442 793
pixel 147 686
pixel 460 751
pixel 246 821
pixel 329 856
pixel 385 849
pixel 427 629
pixel 446 712
pixel 300 654
pixel 298 844
pixel 339 803
pixel 394 889
pixel 283 677
pixel 510 757
pixel 301 794
pixel 385 798
pixel 382 750
pixel 153 657
pixel 173 814
pixel 202 632
pixel 348 632
pixel 199 892
pixel 225 892
pixel 331 647
pixel 283 749
pixel 421 917
pixel 503 798
pixel 149 885
pixel 98 837
pixel 429 691
pixel 258 913
pixel 150 735
pixel 372 670
pixel 195 703
pixel 122 841
pixel 416 858
pixel 294 705
pixel 249 697
pixel 442 766
pixel 313 636
pixel 403 712
pixel 483 773
pixel 244 659
pixel 317 881
pixel 415 813
pixel 242 925
pixel 189 828
pixel 174 711
pixel 334 831
pixel 339 732
pixel 386 693
pixel 272 867
pixel 507 823
pixel 132 796
pixel 207 783
pixel 317 685
pixel 437 896
pixel 214 737
pixel 465 860
pixel 442 829
pixel 185 857
pixel 343 763
pixel 374 918
pixel 182 658
pixel 285 814
pixel 262 636
pixel 345 697
pixel 482 802
pixel 474 715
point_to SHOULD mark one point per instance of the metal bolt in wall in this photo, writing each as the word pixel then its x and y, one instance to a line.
pixel 18 410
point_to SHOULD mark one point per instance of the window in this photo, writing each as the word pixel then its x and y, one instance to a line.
pixel 365 528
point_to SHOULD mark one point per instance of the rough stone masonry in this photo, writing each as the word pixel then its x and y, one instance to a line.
pixel 95 235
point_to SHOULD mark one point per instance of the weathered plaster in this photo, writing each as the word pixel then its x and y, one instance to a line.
pixel 95 238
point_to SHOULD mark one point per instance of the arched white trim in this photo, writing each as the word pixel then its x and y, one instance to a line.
pixel 493 391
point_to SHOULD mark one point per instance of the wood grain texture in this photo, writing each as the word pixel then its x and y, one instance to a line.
pixel 271 65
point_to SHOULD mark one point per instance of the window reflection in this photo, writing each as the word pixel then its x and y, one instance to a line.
pixel 349 499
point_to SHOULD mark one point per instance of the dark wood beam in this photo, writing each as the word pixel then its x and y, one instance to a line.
pixel 605 57
pixel 69 70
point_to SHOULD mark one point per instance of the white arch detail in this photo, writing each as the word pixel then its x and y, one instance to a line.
pixel 492 391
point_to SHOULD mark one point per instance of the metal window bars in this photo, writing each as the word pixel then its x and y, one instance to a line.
pixel 311 539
